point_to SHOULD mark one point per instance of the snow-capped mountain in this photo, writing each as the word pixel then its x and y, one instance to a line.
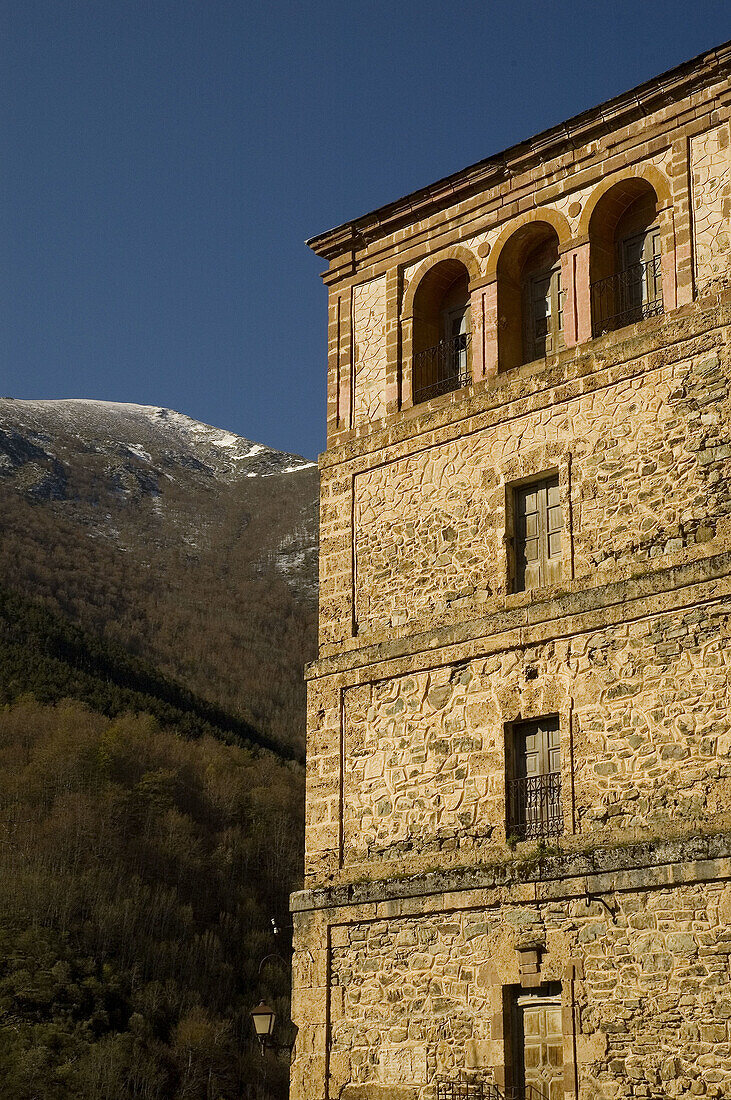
pixel 140 438
pixel 193 545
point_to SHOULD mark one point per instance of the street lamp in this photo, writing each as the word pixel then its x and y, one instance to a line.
pixel 264 1019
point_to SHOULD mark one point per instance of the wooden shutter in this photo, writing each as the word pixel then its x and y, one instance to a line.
pixel 640 263
pixel 533 795
pixel 651 254
pixel 538 527
pixel 543 302
pixel 537 747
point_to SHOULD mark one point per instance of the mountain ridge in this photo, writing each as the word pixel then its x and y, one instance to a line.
pixel 45 656
pixel 191 546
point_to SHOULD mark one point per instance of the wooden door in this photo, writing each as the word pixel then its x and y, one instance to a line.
pixel 540 1047
pixel 538 747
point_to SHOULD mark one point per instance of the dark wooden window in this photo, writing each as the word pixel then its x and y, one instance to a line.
pixel 534 782
pixel 538 524
pixel 543 314
pixel 640 262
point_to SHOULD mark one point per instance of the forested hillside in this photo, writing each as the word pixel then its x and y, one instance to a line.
pixel 189 546
pixel 138 873
pixel 157 605
pixel 146 840
pixel 45 655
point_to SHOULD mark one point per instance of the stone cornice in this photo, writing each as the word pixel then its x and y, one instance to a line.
pixel 574 133
pixel 584 608
pixel 608 869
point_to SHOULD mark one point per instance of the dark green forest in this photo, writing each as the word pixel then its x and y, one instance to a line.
pixel 52 658
pixel 146 839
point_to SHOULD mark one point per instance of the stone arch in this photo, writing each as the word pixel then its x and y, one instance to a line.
pixel 547 214
pixel 527 267
pixel 628 222
pixel 436 326
pixel 457 252
pixel 647 172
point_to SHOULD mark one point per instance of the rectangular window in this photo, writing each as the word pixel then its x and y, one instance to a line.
pixel 544 315
pixel 538 524
pixel 533 795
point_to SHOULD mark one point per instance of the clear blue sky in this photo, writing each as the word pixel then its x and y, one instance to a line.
pixel 164 160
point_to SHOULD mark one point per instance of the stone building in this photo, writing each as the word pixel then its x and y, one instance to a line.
pixel 518 855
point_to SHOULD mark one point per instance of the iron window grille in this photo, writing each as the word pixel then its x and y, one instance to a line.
pixel 629 296
pixel 534 806
pixel 443 368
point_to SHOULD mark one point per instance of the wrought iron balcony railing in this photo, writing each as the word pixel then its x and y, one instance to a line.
pixel 442 369
pixel 484 1090
pixel 626 297
pixel 534 806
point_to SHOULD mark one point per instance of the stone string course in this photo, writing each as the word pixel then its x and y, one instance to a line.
pixel 645 460
pixel 651 744
pixel 641 461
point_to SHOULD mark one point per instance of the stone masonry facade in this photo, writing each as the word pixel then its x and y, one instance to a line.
pixel 439 929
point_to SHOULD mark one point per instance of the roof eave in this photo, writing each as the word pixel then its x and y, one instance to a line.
pixel 576 131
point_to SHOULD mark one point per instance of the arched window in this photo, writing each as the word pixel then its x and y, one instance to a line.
pixel 441 338
pixel 529 296
pixel 625 258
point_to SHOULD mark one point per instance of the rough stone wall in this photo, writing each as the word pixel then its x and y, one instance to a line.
pixel 639 463
pixel 421 750
pixel 369 349
pixel 711 194
pixel 646 745
pixel 415 997
pixel 418 904
pixel 652 746
pixel 424 535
